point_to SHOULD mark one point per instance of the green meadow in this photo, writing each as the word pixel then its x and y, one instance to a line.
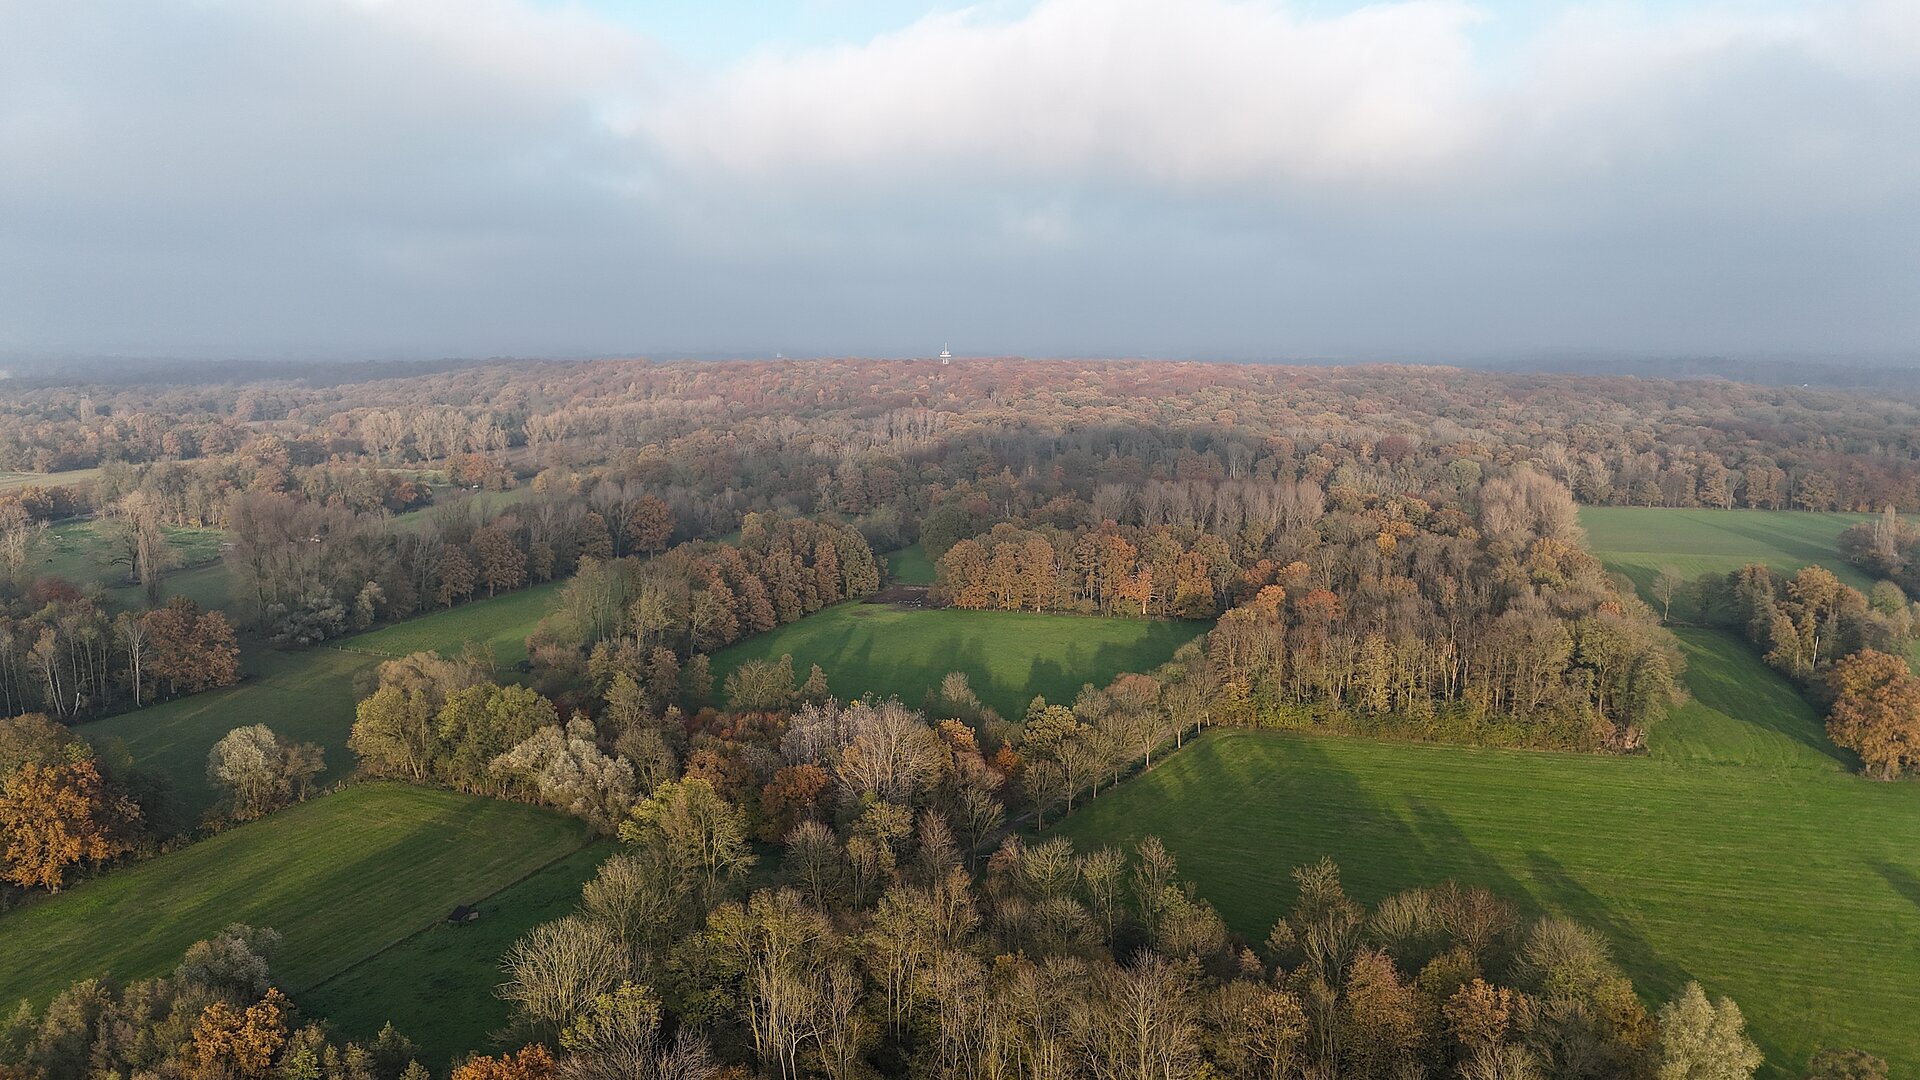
pixel 343 878
pixel 1010 657
pixel 436 987
pixel 1741 850
pixel 1640 541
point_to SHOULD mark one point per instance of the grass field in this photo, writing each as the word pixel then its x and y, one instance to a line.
pixel 46 480
pixel 910 566
pixel 303 696
pixel 308 695
pixel 1797 892
pixel 436 987
pixel 502 622
pixel 1741 851
pixel 1640 541
pixel 341 877
pixel 1009 656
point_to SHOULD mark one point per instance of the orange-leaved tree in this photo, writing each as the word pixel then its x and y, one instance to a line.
pixel 56 816
pixel 531 1063
pixel 1876 711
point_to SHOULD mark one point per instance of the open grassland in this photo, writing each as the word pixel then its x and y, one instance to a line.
pixel 341 877
pixel 9 480
pixel 437 986
pixel 1640 541
pixel 308 695
pixel 1009 656
pixel 910 566
pixel 1739 852
pixel 1797 895
pixel 502 623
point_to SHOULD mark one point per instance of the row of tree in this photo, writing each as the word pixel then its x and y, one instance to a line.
pixel 63 654
pixel 702 596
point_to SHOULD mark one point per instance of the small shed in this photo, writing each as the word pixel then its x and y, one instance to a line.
pixel 465 913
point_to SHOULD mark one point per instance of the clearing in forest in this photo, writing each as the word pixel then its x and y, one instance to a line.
pixel 1009 656
pixel 1640 541
pixel 341 878
pixel 909 566
pixel 500 622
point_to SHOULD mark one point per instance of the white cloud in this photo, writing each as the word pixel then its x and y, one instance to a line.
pixel 1182 93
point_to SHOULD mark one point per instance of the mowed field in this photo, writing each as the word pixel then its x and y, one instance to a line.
pixel 1640 541
pixel 1009 656
pixel 341 878
pixel 308 695
pixel 437 986
pixel 500 622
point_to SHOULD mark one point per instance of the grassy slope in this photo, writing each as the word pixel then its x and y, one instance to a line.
pixel 1010 656
pixel 1761 884
pixel 437 986
pixel 308 695
pixel 1639 541
pixel 1734 853
pixel 502 622
pixel 340 877
pixel 910 566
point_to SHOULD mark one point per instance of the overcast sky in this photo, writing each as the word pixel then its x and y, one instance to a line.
pixel 1236 178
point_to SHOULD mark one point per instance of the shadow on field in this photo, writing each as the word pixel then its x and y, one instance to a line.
pixel 1559 890
pixel 1723 674
pixel 1901 879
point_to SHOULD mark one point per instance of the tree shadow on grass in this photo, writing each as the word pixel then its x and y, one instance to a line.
pixel 1724 675
pixel 1901 879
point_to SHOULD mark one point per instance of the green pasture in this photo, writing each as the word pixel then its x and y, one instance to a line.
pixel 437 986
pixel 1795 891
pixel 910 566
pixel 1009 656
pixel 78 552
pixel 1640 541
pixel 342 878
pixel 501 622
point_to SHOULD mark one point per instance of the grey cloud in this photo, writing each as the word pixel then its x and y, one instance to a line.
pixel 314 177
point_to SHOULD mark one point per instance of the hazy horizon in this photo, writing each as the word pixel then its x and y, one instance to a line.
pixel 1210 179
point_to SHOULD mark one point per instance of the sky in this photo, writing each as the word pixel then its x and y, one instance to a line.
pixel 1244 179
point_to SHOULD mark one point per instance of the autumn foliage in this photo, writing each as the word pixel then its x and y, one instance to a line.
pixel 1876 711
pixel 56 817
